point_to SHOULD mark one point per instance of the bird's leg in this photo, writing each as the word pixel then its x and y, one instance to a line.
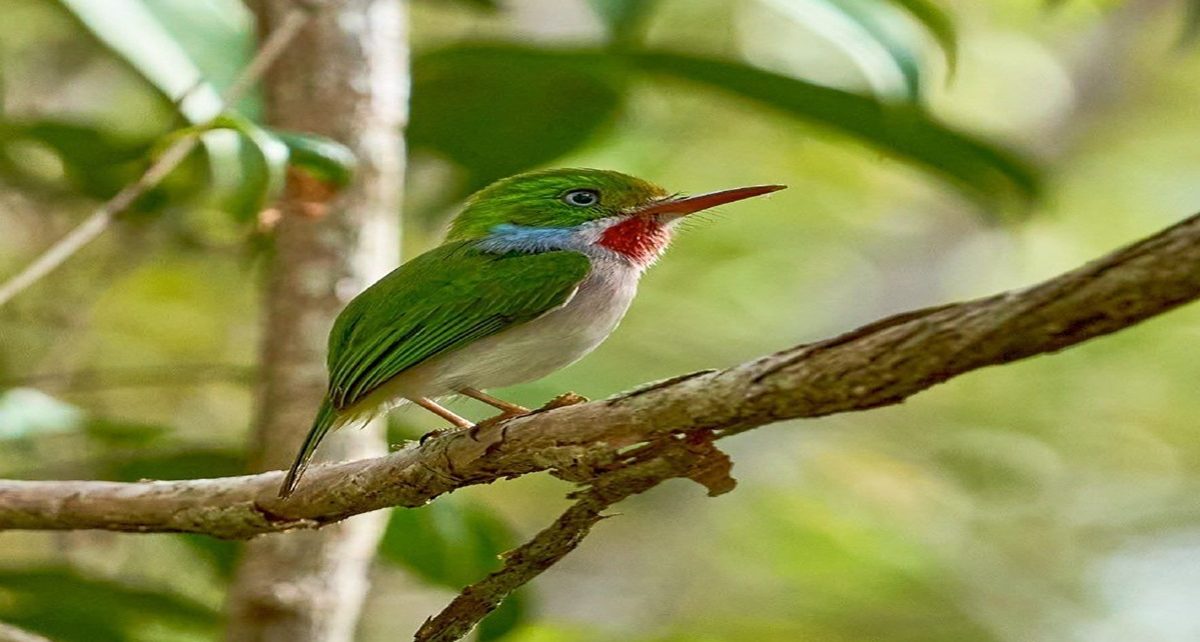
pixel 509 409
pixel 439 410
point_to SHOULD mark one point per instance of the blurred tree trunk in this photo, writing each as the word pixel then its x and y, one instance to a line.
pixel 345 76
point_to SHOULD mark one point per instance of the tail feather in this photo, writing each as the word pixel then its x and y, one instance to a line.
pixel 325 421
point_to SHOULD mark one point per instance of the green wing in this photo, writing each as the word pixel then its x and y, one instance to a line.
pixel 439 302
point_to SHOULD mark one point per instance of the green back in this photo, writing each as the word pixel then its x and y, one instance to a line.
pixel 439 302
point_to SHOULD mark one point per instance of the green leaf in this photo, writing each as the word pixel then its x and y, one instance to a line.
pixel 990 175
pixel 324 158
pixel 624 18
pixel 939 25
pixel 122 433
pixel 471 104
pixel 264 161
pixel 25 412
pixel 138 39
pixel 497 111
pixel 221 554
pixel 450 543
pixel 1191 23
pixel 487 5
pixel 453 543
pixel 191 463
pixel 870 33
pixel 508 617
pixel 218 36
pixel 67 606
pixel 91 161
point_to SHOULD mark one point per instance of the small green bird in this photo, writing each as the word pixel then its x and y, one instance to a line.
pixel 537 271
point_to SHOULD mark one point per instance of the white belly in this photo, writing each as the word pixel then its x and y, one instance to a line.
pixel 533 349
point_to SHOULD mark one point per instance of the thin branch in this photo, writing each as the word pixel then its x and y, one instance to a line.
pixel 672 459
pixel 880 364
pixel 99 220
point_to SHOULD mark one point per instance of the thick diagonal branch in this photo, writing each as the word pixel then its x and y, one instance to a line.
pixel 877 365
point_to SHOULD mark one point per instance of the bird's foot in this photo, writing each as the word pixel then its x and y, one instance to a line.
pixel 562 401
pixel 514 411
pixel 446 432
pixel 511 411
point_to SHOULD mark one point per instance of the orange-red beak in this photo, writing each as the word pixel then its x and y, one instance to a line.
pixel 684 205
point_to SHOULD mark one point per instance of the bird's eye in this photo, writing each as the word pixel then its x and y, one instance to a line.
pixel 581 197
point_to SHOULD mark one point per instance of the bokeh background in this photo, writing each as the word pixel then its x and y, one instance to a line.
pixel 1054 499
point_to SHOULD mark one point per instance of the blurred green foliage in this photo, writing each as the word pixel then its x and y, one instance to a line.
pixel 1047 500
pixel 453 543
pixel 62 603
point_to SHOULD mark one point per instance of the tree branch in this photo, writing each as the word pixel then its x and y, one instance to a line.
pixel 695 457
pixel 877 365
pixel 99 220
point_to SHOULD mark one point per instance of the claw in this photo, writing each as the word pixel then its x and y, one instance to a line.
pixel 445 432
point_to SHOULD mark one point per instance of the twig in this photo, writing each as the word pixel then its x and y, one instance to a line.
pixel 881 364
pixel 529 560
pixel 96 223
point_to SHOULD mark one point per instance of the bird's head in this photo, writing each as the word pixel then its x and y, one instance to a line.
pixel 585 209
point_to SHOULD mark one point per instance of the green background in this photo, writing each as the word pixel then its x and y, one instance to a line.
pixel 1054 499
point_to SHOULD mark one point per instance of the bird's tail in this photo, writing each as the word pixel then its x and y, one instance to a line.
pixel 326 419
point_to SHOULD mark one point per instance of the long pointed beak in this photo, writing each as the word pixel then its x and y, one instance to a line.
pixel 682 206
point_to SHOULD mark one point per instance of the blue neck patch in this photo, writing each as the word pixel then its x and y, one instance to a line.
pixel 507 237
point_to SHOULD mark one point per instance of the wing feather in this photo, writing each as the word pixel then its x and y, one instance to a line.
pixel 440 302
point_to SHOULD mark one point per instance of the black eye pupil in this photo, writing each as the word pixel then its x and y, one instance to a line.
pixel 582 197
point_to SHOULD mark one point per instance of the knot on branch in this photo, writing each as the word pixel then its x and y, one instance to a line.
pixel 711 467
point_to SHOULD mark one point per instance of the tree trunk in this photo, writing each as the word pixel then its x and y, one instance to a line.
pixel 345 76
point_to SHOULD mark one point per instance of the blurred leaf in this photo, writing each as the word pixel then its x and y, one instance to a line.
pixel 139 39
pixel 264 160
pixel 217 36
pixel 939 25
pixel 120 433
pixel 508 617
pixel 132 32
pixel 490 5
pixel 500 110
pixel 25 412
pixel 183 464
pixel 324 158
pixel 448 543
pixel 984 171
pixel 94 162
pixel 68 607
pixel 452 543
pixel 868 32
pixel 222 554
pixel 471 104
pixel 1191 22
pixel 624 18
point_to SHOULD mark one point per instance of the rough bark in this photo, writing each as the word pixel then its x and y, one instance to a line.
pixel 346 78
pixel 877 365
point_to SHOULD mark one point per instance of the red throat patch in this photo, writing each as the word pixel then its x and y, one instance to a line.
pixel 639 239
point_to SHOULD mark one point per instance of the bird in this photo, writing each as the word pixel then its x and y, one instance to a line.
pixel 535 272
